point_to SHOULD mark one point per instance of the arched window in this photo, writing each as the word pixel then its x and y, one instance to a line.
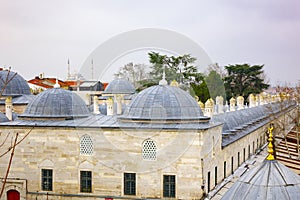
pixel 149 150
pixel 86 145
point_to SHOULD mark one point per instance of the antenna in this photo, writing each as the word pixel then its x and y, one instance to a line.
pixel 68 69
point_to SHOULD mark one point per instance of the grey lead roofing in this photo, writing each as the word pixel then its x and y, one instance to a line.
pixel 238 124
pixel 119 86
pixel 20 100
pixel 163 102
pixel 102 121
pixel 3 117
pixel 270 180
pixel 56 102
pixel 16 84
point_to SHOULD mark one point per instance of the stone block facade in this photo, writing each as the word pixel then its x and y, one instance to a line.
pixel 195 158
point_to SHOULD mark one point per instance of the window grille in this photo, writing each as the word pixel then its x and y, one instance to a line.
pixel 169 186
pixel 86 145
pixel 85 181
pixel 47 176
pixel 149 150
pixel 129 184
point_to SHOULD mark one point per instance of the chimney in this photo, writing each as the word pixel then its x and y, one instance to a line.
pixel 42 75
pixel 96 106
pixel 240 102
pixel 8 108
pixel 110 106
pixel 219 102
pixel 119 99
pixel 232 102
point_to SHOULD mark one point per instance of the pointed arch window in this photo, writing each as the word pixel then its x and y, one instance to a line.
pixel 149 150
pixel 86 145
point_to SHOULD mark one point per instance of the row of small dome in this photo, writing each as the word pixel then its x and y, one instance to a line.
pixel 237 120
pixel 154 103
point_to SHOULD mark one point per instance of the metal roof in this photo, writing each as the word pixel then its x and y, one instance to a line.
pixel 56 102
pixel 103 121
pixel 163 102
pixel 24 99
pixel 16 84
pixel 270 180
pixel 20 100
pixel 239 123
pixel 89 83
pixel 119 86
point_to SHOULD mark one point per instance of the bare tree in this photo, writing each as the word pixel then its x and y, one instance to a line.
pixel 217 68
pixel 133 73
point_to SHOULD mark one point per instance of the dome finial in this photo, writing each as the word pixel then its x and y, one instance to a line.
pixel 163 81
pixel 270 145
pixel 56 84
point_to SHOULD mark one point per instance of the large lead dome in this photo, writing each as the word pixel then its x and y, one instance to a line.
pixel 56 103
pixel 163 102
pixel 16 84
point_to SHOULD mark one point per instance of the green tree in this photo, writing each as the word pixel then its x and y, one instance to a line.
pixel 180 68
pixel 215 84
pixel 199 88
pixel 243 79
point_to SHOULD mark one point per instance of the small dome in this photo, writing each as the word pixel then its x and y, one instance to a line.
pixel 3 117
pixel 56 103
pixel 119 86
pixel 270 180
pixel 163 102
pixel 16 85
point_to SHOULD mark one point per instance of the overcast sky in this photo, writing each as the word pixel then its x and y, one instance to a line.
pixel 39 36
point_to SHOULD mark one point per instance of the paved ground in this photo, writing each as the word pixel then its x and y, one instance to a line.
pixel 222 188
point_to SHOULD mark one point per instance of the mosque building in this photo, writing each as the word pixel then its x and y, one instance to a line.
pixel 160 145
